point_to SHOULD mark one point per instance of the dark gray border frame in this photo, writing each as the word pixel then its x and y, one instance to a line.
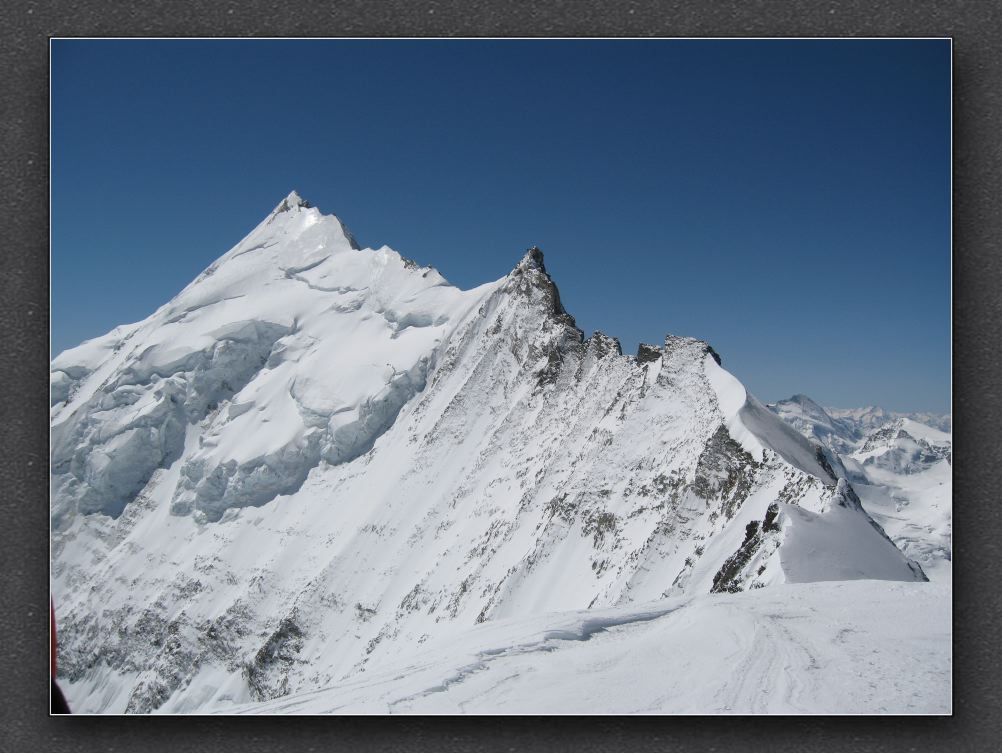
pixel 26 28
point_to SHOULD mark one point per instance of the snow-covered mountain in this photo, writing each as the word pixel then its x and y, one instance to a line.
pixel 316 458
pixel 870 418
pixel 814 422
pixel 900 464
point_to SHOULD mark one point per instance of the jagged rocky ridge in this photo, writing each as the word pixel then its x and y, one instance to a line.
pixel 317 457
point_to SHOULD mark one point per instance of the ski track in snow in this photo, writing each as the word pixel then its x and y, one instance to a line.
pixel 802 649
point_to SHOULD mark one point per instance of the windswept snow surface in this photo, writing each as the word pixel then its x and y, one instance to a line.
pixel 865 647
pixel 318 458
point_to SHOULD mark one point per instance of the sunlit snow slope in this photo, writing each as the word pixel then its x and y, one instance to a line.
pixel 318 458
pixel 899 464
pixel 854 647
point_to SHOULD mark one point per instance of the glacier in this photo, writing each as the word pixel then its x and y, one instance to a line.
pixel 319 459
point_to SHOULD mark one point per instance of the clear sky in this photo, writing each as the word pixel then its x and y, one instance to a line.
pixel 788 201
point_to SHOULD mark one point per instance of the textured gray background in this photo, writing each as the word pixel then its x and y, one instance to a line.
pixel 25 29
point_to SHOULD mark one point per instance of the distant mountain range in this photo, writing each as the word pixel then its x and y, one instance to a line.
pixel 900 464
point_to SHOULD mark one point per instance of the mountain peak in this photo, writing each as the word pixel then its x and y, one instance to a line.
pixel 693 345
pixel 533 259
pixel 291 201
pixel 295 201
pixel 803 399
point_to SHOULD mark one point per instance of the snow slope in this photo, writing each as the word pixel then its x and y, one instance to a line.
pixel 900 467
pixel 254 349
pixel 864 647
pixel 317 458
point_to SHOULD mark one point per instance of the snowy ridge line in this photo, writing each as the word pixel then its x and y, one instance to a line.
pixel 316 479
pixel 899 465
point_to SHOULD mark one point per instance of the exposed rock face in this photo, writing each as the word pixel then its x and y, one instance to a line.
pixel 728 579
pixel 268 674
pixel 725 471
pixel 648 353
pixel 375 457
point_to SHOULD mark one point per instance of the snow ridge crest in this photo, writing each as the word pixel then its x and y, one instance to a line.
pixel 293 200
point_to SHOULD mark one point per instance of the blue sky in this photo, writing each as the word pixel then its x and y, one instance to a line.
pixel 788 201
